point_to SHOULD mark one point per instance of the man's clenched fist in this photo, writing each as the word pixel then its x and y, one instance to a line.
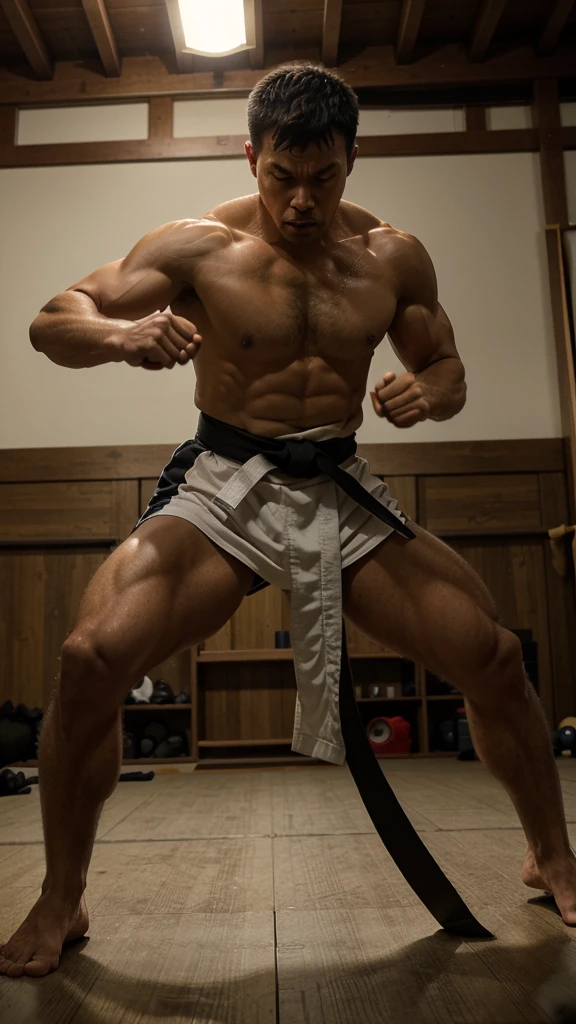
pixel 402 400
pixel 159 340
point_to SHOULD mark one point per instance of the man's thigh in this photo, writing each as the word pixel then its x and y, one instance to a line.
pixel 164 589
pixel 424 601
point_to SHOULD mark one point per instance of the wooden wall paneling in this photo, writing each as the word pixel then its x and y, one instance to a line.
pixel 40 592
pixel 126 499
pixel 146 489
pixel 247 701
pixel 477 503
pixel 129 462
pixel 22 623
pixel 256 620
pixel 78 510
pixel 464 457
pixel 253 625
pixel 561 602
pixel 92 462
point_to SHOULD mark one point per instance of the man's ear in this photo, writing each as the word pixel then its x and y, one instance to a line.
pixel 351 160
pixel 251 158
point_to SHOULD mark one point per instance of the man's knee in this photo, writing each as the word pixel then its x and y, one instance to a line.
pixel 87 686
pixel 501 676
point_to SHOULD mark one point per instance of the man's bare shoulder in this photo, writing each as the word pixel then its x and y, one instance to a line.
pixel 236 214
pixel 381 237
pixel 188 239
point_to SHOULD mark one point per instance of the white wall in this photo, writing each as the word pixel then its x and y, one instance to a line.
pixel 479 216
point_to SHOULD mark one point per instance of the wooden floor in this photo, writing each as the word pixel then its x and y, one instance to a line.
pixel 266 897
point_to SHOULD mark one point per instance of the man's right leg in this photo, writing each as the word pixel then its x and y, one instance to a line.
pixel 166 588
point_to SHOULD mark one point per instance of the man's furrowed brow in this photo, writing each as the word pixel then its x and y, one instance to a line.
pixel 322 170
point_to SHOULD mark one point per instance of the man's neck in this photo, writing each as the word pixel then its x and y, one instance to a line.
pixel 265 228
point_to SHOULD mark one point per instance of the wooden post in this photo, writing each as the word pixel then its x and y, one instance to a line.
pixel 475 119
pixel 160 112
pixel 564 359
pixel 547 120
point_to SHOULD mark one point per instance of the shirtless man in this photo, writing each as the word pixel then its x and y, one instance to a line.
pixel 281 298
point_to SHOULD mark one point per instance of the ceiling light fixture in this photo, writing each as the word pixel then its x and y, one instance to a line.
pixel 214 28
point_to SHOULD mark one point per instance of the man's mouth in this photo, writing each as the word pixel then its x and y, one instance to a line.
pixel 301 225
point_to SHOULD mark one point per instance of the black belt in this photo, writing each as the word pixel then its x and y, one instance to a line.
pixel 300 457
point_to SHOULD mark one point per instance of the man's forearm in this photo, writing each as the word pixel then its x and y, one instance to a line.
pixel 444 387
pixel 71 332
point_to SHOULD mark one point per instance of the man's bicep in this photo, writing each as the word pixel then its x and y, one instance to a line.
pixel 420 336
pixel 128 293
pixel 420 332
pixel 137 285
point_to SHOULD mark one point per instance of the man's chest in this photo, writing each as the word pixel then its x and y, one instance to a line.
pixel 338 306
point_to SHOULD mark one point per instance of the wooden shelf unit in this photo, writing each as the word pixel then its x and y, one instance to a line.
pixel 205 747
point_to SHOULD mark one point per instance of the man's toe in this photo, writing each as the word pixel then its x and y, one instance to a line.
pixel 40 966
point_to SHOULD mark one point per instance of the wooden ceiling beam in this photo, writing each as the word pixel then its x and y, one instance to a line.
pixel 101 29
pixel 331 32
pixel 548 39
pixel 25 28
pixel 485 25
pixel 374 68
pixel 408 28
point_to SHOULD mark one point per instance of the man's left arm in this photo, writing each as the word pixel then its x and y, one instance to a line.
pixel 422 337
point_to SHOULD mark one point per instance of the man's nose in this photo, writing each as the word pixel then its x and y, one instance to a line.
pixel 303 200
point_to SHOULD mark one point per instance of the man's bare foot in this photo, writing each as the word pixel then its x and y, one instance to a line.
pixel 34 950
pixel 557 877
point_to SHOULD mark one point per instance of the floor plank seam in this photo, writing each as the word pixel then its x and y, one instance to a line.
pixel 276 973
pixel 133 810
pixel 268 835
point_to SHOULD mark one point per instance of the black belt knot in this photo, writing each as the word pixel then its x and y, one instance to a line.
pixel 298 457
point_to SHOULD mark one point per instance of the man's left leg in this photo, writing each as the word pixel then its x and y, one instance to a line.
pixel 421 599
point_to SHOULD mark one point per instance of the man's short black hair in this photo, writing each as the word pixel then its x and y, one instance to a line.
pixel 302 103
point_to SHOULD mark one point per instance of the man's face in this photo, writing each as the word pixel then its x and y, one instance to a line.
pixel 301 189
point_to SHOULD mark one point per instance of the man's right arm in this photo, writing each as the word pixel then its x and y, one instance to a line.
pixel 93 321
